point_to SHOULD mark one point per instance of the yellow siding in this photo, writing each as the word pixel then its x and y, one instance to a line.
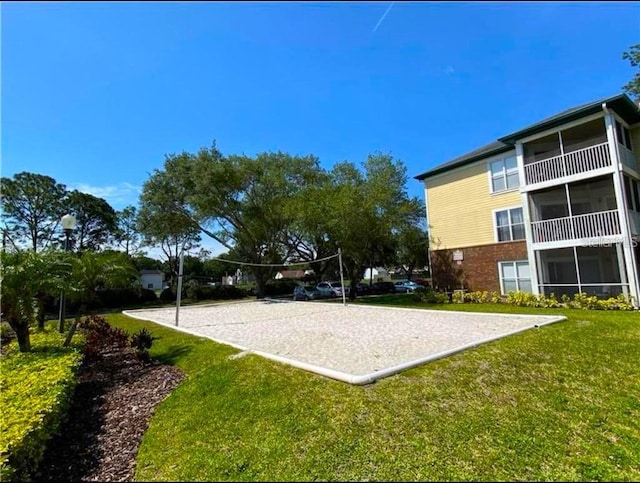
pixel 460 206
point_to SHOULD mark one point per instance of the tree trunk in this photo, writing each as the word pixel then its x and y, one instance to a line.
pixel 74 325
pixel 41 313
pixel 260 285
pixel 22 334
pixel 353 275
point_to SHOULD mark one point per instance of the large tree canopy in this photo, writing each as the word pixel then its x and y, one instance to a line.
pixel 365 209
pixel 96 221
pixel 32 206
pixel 239 201
pixel 276 208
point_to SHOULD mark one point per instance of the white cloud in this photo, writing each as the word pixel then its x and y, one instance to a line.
pixel 118 196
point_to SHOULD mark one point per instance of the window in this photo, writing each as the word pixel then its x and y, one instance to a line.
pixel 623 135
pixel 510 224
pixel 632 192
pixel 504 174
pixel 514 276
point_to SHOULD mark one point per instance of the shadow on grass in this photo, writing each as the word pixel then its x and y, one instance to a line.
pixel 173 354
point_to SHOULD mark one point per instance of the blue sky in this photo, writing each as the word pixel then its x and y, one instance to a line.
pixel 95 94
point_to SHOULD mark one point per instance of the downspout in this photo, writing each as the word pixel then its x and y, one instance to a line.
pixel 632 269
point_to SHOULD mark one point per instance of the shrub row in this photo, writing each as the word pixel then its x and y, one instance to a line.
pixel 195 291
pixel 524 299
pixel 430 296
pixel 108 298
pixel 37 389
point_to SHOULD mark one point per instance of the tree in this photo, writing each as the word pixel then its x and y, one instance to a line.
pixel 162 222
pixel 413 248
pixel 96 221
pixel 127 235
pixel 364 209
pixel 25 274
pixel 445 273
pixel 216 269
pixel 32 206
pixel 142 262
pixel 239 201
pixel 633 86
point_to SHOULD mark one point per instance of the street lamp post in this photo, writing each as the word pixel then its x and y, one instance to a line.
pixel 68 224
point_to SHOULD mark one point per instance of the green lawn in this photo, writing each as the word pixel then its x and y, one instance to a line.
pixel 557 403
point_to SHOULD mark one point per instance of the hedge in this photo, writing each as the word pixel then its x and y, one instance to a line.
pixel 37 389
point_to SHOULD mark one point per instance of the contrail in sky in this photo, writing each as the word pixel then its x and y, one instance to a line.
pixel 383 17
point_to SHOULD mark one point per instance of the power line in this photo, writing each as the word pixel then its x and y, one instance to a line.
pixel 275 264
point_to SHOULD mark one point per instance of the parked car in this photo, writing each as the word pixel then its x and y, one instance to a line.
pixel 423 282
pixel 331 289
pixel 363 289
pixel 406 286
pixel 383 287
pixel 306 292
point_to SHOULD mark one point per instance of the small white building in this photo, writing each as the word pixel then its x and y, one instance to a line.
pixel 378 273
pixel 151 279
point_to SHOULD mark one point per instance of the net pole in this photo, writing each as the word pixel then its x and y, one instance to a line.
pixel 179 294
pixel 344 296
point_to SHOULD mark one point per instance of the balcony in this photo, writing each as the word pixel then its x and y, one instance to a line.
pixel 580 227
pixel 627 157
pixel 581 161
pixel 634 221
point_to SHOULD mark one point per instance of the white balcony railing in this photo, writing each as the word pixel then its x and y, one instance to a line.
pixel 581 161
pixel 627 157
pixel 590 225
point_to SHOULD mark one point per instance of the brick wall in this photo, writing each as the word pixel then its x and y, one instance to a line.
pixel 480 264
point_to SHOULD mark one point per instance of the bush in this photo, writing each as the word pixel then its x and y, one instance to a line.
pixel 101 336
pixel 116 297
pixel 524 299
pixel 227 292
pixel 430 296
pixel 147 295
pixel 141 342
pixel 279 287
pixel 192 289
pixel 168 295
pixel 37 388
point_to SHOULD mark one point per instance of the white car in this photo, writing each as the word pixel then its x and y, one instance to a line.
pixel 331 289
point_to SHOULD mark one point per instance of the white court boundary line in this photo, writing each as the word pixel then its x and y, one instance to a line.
pixel 362 379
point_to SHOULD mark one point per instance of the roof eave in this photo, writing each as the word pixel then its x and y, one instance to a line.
pixel 465 162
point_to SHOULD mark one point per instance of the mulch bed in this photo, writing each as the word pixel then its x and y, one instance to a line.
pixel 113 403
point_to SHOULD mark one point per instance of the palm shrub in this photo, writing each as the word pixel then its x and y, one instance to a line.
pixel 24 276
pixel 92 271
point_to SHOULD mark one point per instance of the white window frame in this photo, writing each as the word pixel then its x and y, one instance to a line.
pixel 502 159
pixel 515 268
pixel 495 223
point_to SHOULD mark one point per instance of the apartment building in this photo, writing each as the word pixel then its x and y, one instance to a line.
pixel 551 208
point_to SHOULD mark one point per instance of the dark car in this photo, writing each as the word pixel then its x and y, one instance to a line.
pixel 363 289
pixel 383 287
pixel 306 292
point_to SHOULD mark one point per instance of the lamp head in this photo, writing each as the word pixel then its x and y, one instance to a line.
pixel 68 222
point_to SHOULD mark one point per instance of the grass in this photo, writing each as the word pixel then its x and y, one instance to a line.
pixel 558 403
